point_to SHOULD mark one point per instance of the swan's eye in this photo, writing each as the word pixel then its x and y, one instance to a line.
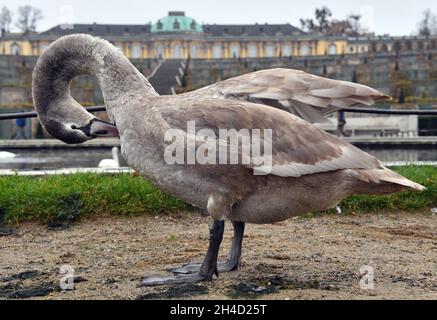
pixel 74 127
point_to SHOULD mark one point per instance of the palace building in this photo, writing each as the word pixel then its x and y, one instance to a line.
pixel 178 36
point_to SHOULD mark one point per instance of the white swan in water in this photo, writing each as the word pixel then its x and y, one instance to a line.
pixel 6 155
pixel 310 169
pixel 111 163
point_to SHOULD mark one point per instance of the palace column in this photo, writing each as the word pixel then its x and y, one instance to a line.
pixel 167 49
pixel 260 49
pixel 208 51
pixel 225 49
pixel 243 46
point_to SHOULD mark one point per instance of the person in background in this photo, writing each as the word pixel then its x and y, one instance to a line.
pixel 341 124
pixel 21 125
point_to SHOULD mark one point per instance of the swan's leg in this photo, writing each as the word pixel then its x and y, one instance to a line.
pixel 208 267
pixel 234 258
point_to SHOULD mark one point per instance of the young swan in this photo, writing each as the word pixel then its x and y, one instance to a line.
pixel 310 170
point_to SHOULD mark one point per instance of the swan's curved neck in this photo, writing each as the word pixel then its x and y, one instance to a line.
pixel 76 55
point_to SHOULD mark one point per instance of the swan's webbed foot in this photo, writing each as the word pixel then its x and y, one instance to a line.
pixel 177 279
pixel 225 266
pixel 208 268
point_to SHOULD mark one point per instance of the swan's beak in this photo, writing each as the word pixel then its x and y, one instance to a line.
pixel 100 128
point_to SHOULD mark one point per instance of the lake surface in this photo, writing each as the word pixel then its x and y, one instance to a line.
pixel 38 159
pixel 57 159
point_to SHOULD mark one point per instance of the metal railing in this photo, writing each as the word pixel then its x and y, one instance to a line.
pixel 32 114
pixel 392 112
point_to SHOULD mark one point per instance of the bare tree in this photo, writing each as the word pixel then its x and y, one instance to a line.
pixel 339 27
pixel 5 19
pixel 428 24
pixel 354 21
pixel 322 15
pixel 308 25
pixel 350 26
pixel 28 18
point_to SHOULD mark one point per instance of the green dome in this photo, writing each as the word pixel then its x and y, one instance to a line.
pixel 176 21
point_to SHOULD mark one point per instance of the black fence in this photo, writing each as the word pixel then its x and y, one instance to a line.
pixel 28 115
pixel 427 116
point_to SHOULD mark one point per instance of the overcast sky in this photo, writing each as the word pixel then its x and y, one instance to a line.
pixel 396 17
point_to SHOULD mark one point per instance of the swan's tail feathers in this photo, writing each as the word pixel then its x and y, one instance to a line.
pixel 385 180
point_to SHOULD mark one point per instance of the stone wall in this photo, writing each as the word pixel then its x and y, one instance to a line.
pixel 388 72
pixel 415 73
pixel 16 82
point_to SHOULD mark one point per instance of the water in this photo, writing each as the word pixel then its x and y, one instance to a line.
pixel 56 159
pixel 34 159
pixel 385 154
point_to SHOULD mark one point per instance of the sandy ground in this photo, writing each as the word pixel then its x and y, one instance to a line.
pixel 304 258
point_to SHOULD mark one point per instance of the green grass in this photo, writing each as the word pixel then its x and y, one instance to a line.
pixel 55 198
pixel 58 198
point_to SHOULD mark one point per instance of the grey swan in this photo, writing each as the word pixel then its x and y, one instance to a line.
pixel 311 170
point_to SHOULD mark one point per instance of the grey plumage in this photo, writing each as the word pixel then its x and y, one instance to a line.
pixel 304 95
pixel 143 117
pixel 311 169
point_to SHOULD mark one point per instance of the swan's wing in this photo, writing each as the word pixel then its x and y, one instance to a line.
pixel 297 147
pixel 305 95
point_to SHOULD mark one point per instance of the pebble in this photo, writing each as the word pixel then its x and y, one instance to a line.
pixel 434 210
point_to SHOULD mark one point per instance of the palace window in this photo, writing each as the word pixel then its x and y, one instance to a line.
pixel 287 50
pixel 15 49
pixel 137 52
pixel 193 25
pixel 235 50
pixel 269 51
pixel 159 25
pixel 159 51
pixel 304 50
pixel 217 51
pixel 193 51
pixel 252 51
pixel 176 25
pixel 176 52
pixel 332 49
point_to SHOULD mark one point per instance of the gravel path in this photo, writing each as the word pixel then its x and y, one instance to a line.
pixel 316 257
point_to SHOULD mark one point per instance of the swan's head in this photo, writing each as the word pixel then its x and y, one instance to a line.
pixel 62 116
pixel 74 125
